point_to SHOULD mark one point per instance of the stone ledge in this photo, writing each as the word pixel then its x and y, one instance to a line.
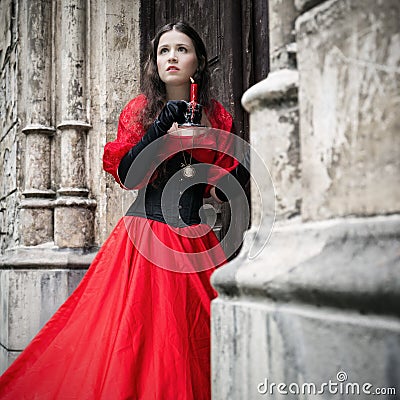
pixel 305 5
pixel 74 124
pixel 342 263
pixel 71 201
pixel 47 256
pixel 37 128
pixel 38 193
pixel 73 192
pixel 36 203
pixel 281 84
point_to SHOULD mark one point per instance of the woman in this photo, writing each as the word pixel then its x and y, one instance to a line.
pixel 138 325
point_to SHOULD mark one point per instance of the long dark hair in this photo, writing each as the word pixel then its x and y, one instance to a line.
pixel 154 88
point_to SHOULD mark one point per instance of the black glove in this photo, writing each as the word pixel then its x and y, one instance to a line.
pixel 173 111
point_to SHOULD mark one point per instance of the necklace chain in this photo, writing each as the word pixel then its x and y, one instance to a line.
pixel 188 170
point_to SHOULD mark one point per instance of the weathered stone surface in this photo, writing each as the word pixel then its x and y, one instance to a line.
pixel 281 17
pixel 85 71
pixel 9 124
pixel 37 159
pixel 120 82
pixel 47 256
pixel 8 66
pixel 73 223
pixel 7 358
pixel 73 59
pixel 36 225
pixel 28 298
pixel 349 65
pixel 346 263
pixel 323 297
pixel 73 149
pixel 6 28
pixel 275 135
pixel 278 129
pixel 8 162
pixel 303 5
pixel 10 218
pixel 257 341
pixel 37 68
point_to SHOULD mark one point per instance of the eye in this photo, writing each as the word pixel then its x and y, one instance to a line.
pixel 182 49
pixel 163 50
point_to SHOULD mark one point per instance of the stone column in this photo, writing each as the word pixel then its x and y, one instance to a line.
pixel 320 303
pixel 73 219
pixel 35 276
pixel 273 107
pixel 36 208
pixel 350 98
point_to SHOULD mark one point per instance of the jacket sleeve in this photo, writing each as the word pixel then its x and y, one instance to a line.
pixel 130 131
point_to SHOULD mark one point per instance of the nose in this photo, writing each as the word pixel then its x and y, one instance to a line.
pixel 172 56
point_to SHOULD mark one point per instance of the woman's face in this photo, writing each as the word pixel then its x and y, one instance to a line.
pixel 176 58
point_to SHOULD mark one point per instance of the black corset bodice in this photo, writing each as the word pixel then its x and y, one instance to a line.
pixel 172 198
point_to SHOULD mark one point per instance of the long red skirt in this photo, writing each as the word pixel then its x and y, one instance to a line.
pixel 133 329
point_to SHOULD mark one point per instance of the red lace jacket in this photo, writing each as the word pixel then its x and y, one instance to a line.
pixel 130 131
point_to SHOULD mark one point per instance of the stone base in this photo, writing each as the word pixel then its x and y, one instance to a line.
pixel 7 357
pixel 256 344
pixel 30 294
pixel 73 222
pixel 321 298
pixel 36 225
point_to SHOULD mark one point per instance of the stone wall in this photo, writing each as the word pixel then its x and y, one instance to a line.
pixel 320 301
pixel 67 70
pixel 10 124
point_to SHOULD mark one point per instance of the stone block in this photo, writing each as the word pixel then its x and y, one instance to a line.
pixel 28 298
pixel 257 344
pixel 349 65
pixel 7 358
pixel 73 225
pixel 36 226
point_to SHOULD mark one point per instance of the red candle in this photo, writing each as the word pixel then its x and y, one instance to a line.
pixel 193 91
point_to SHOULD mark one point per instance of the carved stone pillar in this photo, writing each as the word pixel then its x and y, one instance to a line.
pixel 321 300
pixel 37 207
pixel 274 113
pixel 73 218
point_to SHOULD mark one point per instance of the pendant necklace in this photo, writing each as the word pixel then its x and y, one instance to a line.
pixel 188 170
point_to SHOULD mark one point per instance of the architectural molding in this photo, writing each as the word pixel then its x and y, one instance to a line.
pixel 37 128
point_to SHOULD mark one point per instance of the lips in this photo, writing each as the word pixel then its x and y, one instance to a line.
pixel 172 68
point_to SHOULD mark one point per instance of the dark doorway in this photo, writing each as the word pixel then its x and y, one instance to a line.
pixel 235 34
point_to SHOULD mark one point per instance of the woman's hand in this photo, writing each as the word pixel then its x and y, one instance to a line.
pixel 173 111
